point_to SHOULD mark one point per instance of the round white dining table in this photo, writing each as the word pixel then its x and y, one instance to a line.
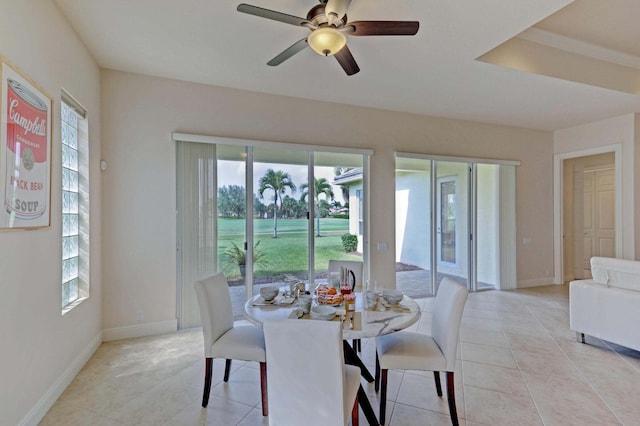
pixel 376 322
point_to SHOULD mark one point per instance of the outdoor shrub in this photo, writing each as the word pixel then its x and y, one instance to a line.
pixel 349 242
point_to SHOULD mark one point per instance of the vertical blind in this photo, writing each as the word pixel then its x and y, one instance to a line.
pixel 196 180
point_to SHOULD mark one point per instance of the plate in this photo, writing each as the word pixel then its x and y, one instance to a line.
pixel 278 301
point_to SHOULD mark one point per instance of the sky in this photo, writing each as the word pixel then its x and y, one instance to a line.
pixel 232 173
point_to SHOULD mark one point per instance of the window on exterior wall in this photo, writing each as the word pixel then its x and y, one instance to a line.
pixel 75 207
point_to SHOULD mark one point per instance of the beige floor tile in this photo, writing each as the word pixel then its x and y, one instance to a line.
pixel 618 385
pixel 156 406
pixel 476 301
pixel 525 329
pixel 507 307
pixel 394 380
pixel 484 337
pixel 69 415
pixel 552 365
pixel 420 392
pixel 405 415
pixel 192 376
pixel 563 400
pixel 218 412
pixel 479 314
pixel 243 386
pixel 500 379
pixel 492 355
pixel 110 394
pixel 498 408
pixel 593 350
pixel 522 317
pixel 484 324
pixel 254 418
pixel 538 344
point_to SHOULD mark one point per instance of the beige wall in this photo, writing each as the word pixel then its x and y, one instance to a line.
pixel 41 349
pixel 140 113
pixel 636 183
pixel 133 201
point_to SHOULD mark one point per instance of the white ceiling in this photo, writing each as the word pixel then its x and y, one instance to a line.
pixel 433 73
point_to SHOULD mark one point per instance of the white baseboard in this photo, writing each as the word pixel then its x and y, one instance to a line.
pixel 38 411
pixel 139 330
pixel 536 282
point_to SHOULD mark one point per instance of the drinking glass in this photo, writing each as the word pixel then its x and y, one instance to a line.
pixel 304 302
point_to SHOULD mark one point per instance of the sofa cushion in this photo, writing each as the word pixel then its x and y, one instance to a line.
pixel 619 273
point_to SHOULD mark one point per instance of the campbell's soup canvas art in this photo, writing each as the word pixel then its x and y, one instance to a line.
pixel 25 152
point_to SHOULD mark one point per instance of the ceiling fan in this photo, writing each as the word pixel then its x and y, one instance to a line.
pixel 328 24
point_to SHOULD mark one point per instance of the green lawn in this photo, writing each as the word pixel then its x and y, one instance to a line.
pixel 287 254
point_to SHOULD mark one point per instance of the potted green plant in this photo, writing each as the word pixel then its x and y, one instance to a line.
pixel 236 256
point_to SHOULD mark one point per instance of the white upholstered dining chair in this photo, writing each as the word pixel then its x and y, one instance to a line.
pixel 357 268
pixel 222 339
pixel 309 383
pixel 407 350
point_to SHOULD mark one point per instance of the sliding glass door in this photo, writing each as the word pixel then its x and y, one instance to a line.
pixel 249 211
pixel 488 226
pixel 231 218
pixel 280 217
pixel 454 219
pixel 414 227
pixel 338 209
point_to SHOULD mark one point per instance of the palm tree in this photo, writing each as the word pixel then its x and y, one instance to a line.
pixel 278 182
pixel 320 187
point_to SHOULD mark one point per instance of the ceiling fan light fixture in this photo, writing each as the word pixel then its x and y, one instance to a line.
pixel 327 41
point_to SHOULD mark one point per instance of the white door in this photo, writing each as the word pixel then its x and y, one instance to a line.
pixel 599 216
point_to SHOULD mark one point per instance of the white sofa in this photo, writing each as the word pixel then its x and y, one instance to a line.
pixel 608 306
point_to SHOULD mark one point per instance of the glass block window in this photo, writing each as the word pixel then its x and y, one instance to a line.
pixel 70 206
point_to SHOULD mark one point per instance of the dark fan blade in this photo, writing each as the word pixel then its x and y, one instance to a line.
pixel 272 14
pixel 384 28
pixel 288 52
pixel 346 61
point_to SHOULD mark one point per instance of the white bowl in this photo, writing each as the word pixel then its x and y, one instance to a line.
pixel 269 293
pixel 393 297
pixel 322 312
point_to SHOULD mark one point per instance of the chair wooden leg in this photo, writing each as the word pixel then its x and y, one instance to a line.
pixel 451 399
pixel 356 345
pixel 208 371
pixel 227 370
pixel 377 373
pixel 263 388
pixel 355 412
pixel 383 396
pixel 436 376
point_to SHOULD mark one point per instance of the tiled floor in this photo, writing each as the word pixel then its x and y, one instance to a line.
pixel 519 364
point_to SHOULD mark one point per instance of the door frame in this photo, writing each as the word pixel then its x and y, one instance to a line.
pixel 558 207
